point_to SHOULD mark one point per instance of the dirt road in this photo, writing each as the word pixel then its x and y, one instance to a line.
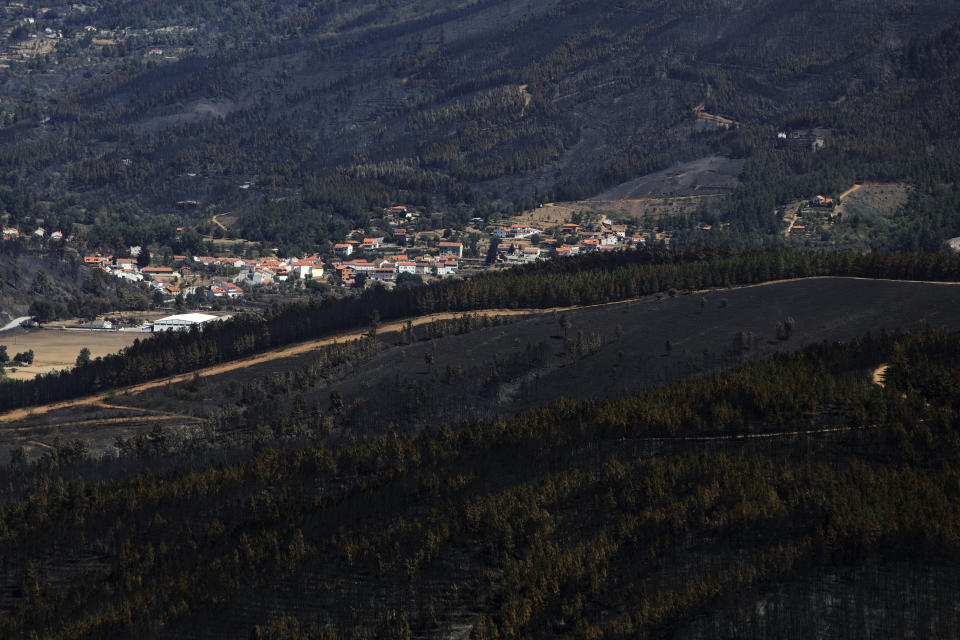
pixel 849 191
pixel 356 334
pixel 276 354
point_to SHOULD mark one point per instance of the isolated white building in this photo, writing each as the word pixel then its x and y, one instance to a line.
pixel 183 321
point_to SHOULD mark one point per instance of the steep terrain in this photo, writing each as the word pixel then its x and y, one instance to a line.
pixel 437 102
pixel 52 285
pixel 357 490
pixel 790 499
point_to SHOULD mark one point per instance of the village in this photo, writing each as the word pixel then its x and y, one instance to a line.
pixel 360 261
pixel 395 249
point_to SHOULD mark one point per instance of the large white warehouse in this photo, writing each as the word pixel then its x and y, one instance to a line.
pixel 183 321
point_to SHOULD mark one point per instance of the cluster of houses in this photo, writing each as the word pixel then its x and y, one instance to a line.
pixel 515 243
pixel 387 269
pixel 268 270
pixel 253 272
pixel 384 259
pixel 12 233
pixel 360 259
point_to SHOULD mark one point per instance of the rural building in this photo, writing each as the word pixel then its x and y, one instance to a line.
pixel 522 231
pixel 451 249
pixel 223 290
pixel 183 321
pixel 304 269
pixel 159 273
pixel 384 274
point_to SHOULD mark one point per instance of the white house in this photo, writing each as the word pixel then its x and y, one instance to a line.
pixel 127 274
pixel 305 270
pixel 253 278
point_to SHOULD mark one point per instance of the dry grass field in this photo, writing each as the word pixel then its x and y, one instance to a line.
pixel 874 198
pixel 58 348
pixel 638 208
pixel 557 213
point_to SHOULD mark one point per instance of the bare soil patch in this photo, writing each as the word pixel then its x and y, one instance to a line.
pixel 873 199
pixel 707 176
pixel 556 213
pixel 877 376
pixel 649 207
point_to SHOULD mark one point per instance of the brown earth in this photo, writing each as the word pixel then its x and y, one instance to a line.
pixel 556 213
pixel 707 176
pixel 877 375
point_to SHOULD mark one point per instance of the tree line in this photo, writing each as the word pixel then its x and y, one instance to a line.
pixel 576 518
pixel 586 280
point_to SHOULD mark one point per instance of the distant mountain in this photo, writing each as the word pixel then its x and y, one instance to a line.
pixel 121 107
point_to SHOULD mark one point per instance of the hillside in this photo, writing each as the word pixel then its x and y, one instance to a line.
pixel 350 106
pixel 54 285
pixel 698 443
pixel 471 367
pixel 791 499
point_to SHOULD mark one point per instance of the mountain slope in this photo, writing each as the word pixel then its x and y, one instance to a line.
pixel 437 102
